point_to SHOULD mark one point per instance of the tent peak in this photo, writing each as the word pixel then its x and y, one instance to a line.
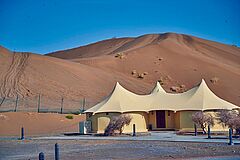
pixel 203 83
pixel 158 88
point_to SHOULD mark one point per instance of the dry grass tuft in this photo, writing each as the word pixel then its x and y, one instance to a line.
pixel 182 86
pixel 69 116
pixel 161 81
pixel 175 89
pixel 214 80
pixel 134 72
pixel 141 75
pixel 120 55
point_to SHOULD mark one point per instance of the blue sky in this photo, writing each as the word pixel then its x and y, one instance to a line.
pixel 44 26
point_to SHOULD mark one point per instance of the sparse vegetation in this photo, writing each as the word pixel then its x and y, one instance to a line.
pixel 161 81
pixel 203 120
pixel 69 116
pixel 214 80
pixel 134 72
pixel 120 55
pixel 182 86
pixel 116 124
pixel 141 75
pixel 175 89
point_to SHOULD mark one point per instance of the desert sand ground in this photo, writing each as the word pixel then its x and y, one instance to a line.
pixel 105 149
pixel 36 124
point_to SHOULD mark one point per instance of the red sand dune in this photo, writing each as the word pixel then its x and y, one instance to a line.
pixel 177 59
pixel 91 71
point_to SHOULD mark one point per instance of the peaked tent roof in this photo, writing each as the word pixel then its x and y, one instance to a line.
pixel 198 98
pixel 158 88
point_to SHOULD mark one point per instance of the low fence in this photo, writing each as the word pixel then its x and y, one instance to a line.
pixel 43 104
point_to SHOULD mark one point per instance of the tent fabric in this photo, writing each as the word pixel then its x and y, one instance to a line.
pixel 199 98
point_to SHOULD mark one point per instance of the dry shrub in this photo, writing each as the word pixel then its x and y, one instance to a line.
pixel 175 89
pixel 120 55
pixel 69 116
pixel 141 75
pixel 160 59
pixel 145 73
pixel 182 86
pixel 134 72
pixel 117 123
pixel 161 81
pixel 214 80
pixel 203 120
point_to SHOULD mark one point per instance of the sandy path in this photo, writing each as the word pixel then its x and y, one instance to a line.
pixel 10 83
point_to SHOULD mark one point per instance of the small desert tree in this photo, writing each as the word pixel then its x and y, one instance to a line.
pixel 203 120
pixel 225 117
pixel 117 123
pixel 230 118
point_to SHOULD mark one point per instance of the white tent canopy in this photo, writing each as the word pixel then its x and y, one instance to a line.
pixel 198 98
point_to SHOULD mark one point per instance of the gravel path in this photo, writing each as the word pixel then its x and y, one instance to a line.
pixel 112 149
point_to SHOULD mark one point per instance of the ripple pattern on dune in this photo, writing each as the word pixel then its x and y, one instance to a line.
pixel 11 85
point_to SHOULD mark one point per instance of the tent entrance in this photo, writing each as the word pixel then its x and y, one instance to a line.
pixel 160 117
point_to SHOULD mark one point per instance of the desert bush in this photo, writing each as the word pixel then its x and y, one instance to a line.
pixel 119 55
pixel 182 86
pixel 175 89
pixel 145 73
pixel 69 116
pixel 141 75
pixel 116 124
pixel 161 80
pixel 134 72
pixel 214 80
pixel 203 120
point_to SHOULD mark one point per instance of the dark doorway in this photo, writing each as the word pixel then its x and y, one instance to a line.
pixel 161 122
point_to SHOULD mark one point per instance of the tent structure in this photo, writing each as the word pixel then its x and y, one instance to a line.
pixel 167 110
pixel 199 98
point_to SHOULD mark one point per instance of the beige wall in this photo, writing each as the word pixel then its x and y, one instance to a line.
pixel 170 119
pixel 140 119
pixel 177 120
pixel 152 119
pixel 186 122
pixel 101 120
pixel 181 120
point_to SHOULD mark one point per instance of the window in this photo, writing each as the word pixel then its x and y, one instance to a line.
pixel 89 115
